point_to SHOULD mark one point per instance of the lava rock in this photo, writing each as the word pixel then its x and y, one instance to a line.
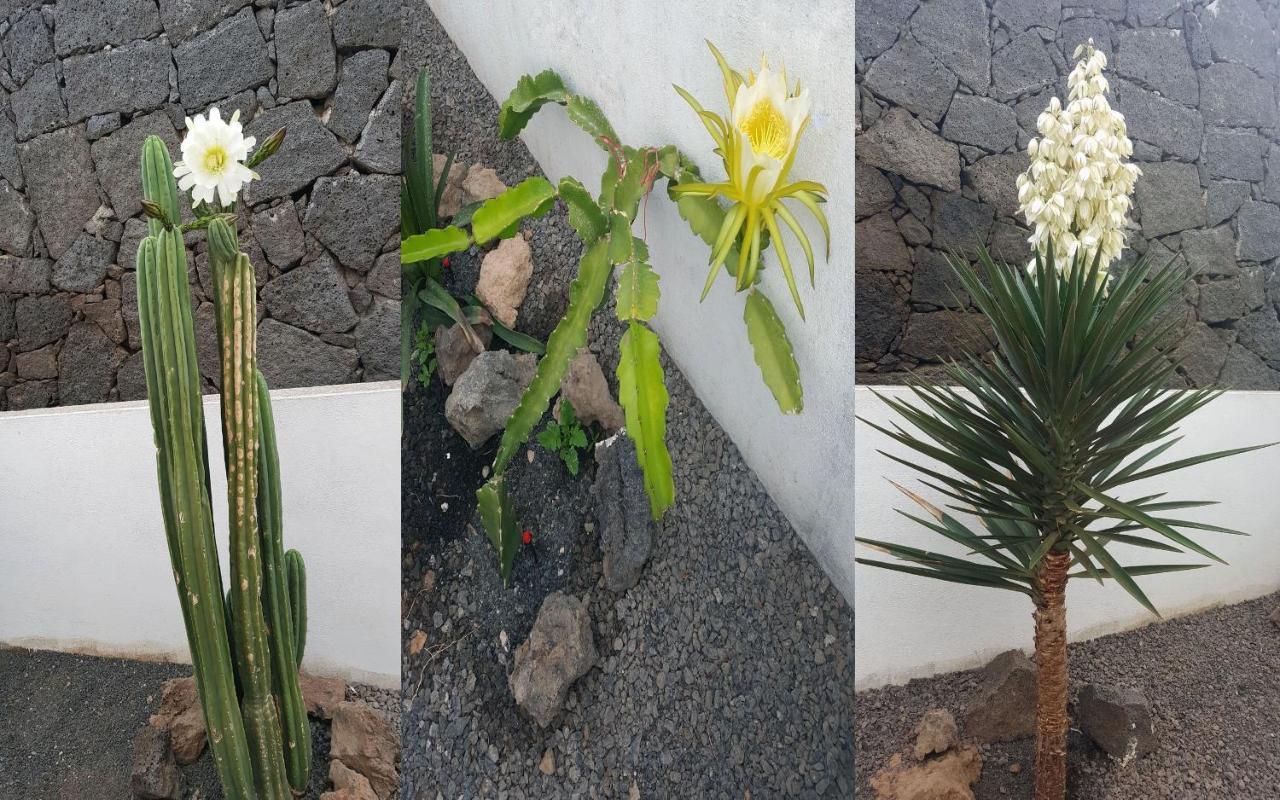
pixel 981 122
pixel 306 61
pixel 83 267
pixel 1259 231
pixel 455 352
pixel 1004 709
pixel 38 105
pixel 180 716
pixel 367 23
pixel 898 143
pixel 585 387
pixel 16 221
pixel 367 743
pixel 1234 96
pixel 354 216
pixel 1117 719
pixel 560 649
pixel 41 320
pixel 378 340
pixel 379 146
pixel 363 81
pixel 313 297
pixel 1170 198
pixel 484 396
pixel 61 185
pixel 27 43
pixel 936 733
pixel 908 75
pixel 279 232
pixel 621 512
pixel 155 773
pixel 133 77
pixel 116 160
pixel 1158 58
pixel 86 365
pixel 24 275
pixel 289 357
pixel 309 150
pixel 205 73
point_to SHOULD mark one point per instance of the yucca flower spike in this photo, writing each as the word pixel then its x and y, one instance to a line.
pixel 758 144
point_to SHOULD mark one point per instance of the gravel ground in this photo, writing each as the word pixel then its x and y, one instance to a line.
pixel 727 669
pixel 1213 681
pixel 67 724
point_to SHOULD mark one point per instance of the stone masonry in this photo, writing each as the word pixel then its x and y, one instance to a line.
pixel 948 96
pixel 83 82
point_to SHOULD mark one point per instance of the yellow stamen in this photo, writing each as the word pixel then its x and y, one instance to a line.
pixel 767 129
pixel 215 160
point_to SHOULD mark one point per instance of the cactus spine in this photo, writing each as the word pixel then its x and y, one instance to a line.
pixel 246 646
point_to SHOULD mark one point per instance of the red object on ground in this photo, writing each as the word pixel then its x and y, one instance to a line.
pixel 445 262
pixel 527 537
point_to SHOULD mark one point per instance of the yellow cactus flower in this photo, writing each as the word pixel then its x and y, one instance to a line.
pixel 758 144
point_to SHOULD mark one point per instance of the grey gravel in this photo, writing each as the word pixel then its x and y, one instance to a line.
pixel 1213 683
pixel 728 667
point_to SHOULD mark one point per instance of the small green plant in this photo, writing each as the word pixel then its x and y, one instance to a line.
pixel 566 437
pixel 246 644
pixel 424 353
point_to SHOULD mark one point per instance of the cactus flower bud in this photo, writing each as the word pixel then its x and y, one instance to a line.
pixel 268 148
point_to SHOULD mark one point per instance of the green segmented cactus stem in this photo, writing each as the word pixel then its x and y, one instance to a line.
pixel 173 393
pixel 296 574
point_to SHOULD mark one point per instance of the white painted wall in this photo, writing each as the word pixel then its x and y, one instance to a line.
pixel 626 56
pixel 913 627
pixel 83 561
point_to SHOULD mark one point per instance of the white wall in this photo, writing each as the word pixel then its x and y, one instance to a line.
pixel 913 627
pixel 626 56
pixel 83 562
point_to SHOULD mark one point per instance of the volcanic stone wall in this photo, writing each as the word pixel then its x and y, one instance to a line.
pixel 83 82
pixel 949 92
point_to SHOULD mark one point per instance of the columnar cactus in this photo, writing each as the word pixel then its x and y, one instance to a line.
pixel 245 651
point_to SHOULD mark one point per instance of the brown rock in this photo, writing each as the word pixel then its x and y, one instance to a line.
pixel 548 763
pixel 451 200
pixel 1005 707
pixel 106 315
pixel 1275 617
pixel 366 742
pixel 935 733
pixel 504 278
pixel 181 717
pixel 480 184
pixel 37 364
pixel 155 773
pixel 455 352
pixel 417 641
pixel 947 777
pixel 322 695
pixel 584 386
pixel 349 784
pixel 560 649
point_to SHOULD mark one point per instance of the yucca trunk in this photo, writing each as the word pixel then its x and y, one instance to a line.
pixel 1051 680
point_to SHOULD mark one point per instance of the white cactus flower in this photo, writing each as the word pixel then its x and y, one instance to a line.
pixel 213 156
pixel 1077 191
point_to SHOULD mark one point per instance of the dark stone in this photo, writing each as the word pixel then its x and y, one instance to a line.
pixel 958 33
pixel 1211 252
pixel 981 122
pixel 131 378
pixel 1258 226
pixel 312 296
pixel 279 232
pixel 378 340
pixel 129 308
pixel 32 394
pixel 881 313
pixel 874 193
pixel 960 224
pixel 1004 710
pixel 364 79
pixel 16 221
pixel 1234 154
pixel 367 23
pixel 1170 198
pixel 133 77
pixel 41 320
pixel 994 178
pixel 1172 127
pixel 455 351
pixel 10 166
pixel 95 24
pixel 1008 243
pixel 205 73
pixel 940 336
pixel 100 125
pixel 62 188
pixel 306 61
pixel 1153 12
pixel 897 143
pixel 183 19
pixel 484 397
pixel 1238 31
pixel 1117 719
pixel 1157 58
pixel 8 327
pixel 1225 198
pixel 384 278
pixel 1201 354
pixel 379 147
pixel 1022 66
pixel 934 282
pixel 1234 96
pixel 24 275
pixel 27 44
pixel 879 24
pixel 38 106
pixel 621 509
pixel 155 775
pixel 86 365
pixel 116 158
pixel 908 75
pixel 1260 333
pixel 84 265
pixel 354 216
pixel 1221 301
pixel 560 649
pixel 878 245
pixel 309 151
pixel 1077 31
pixel 289 357
pixel 1019 15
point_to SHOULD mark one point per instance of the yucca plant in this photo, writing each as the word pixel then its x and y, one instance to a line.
pixel 1041 443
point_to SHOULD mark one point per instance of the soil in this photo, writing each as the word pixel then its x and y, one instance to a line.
pixel 67 724
pixel 726 670
pixel 1213 682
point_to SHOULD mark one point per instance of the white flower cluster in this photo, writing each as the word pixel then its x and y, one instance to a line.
pixel 1077 191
